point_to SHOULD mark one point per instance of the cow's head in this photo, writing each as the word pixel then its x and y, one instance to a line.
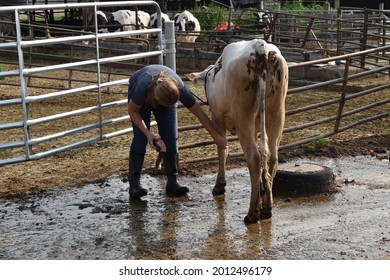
pixel 190 25
pixel 180 22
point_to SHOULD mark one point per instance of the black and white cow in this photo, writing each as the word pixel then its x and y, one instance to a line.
pixel 153 21
pixel 102 18
pixel 121 20
pixel 246 90
pixel 186 22
pixel 263 20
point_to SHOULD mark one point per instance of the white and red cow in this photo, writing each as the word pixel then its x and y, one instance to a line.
pixel 246 91
pixel 186 22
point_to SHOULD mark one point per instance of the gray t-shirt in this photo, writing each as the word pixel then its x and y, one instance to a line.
pixel 140 80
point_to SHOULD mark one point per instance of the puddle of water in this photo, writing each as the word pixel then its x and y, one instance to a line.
pixel 97 221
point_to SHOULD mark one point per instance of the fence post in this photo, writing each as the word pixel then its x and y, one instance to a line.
pixel 363 45
pixel 169 28
pixel 343 92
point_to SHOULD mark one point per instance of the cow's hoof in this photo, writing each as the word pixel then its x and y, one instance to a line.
pixel 218 191
pixel 251 220
pixel 266 213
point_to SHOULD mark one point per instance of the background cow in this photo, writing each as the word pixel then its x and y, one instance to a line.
pixel 121 20
pixel 153 21
pixel 186 22
pixel 127 20
pixel 102 18
pixel 264 24
pixel 263 20
pixel 246 91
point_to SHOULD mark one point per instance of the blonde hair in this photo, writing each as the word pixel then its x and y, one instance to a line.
pixel 163 91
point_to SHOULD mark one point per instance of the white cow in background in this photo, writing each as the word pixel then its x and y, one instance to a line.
pixel 246 91
pixel 127 20
pixel 186 22
pixel 121 20
pixel 153 21
pixel 102 18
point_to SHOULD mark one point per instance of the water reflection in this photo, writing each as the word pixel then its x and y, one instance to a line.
pixel 138 234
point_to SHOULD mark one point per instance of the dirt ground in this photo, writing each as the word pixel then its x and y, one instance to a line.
pixel 96 162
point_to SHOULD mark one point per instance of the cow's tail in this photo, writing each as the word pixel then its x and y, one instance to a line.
pixel 264 151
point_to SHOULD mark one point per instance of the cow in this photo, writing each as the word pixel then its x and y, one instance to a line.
pixel 102 18
pixel 263 20
pixel 186 22
pixel 127 20
pixel 264 23
pixel 121 20
pixel 246 91
pixel 153 21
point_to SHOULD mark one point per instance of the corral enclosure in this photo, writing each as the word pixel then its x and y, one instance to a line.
pixel 77 104
pixel 68 94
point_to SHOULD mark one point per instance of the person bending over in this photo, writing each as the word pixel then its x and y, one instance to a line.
pixel 157 89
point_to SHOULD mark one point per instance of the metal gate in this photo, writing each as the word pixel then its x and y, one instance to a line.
pixel 21 138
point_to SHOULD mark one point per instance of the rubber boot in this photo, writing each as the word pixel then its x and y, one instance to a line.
pixel 135 167
pixel 171 165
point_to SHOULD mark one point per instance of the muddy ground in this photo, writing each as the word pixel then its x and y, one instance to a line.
pixel 98 221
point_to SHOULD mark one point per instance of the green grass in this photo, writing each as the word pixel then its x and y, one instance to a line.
pixel 316 144
pixel 2 69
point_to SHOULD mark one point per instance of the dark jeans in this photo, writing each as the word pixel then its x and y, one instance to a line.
pixel 166 118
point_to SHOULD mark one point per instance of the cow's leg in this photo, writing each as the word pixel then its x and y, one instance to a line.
pixel 268 178
pixel 220 184
pixel 253 160
pixel 266 211
pixel 274 133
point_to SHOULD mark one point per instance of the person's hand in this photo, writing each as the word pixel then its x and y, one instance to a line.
pixel 157 143
pixel 150 136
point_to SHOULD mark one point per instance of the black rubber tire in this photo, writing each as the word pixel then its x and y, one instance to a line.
pixel 302 178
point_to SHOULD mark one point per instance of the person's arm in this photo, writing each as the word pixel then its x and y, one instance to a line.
pixel 135 116
pixel 207 124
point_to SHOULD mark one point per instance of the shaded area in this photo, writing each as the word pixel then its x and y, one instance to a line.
pixel 97 221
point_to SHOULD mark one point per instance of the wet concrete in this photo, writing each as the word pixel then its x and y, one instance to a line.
pixel 97 221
